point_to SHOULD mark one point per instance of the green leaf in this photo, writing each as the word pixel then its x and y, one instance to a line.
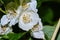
pixel 48 16
pixel 46 37
pixel 5 37
pixel 48 30
pixel 7 1
pixel 1 1
pixel 2 11
pixel 11 6
pixel 30 38
pixel 58 38
pixel 16 36
pixel 39 3
pixel 17 3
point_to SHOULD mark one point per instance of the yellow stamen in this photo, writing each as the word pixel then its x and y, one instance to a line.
pixel 25 6
pixel 4 28
pixel 35 27
pixel 26 18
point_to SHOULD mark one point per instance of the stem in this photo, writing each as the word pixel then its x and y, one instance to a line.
pixel 21 1
pixel 1 1
pixel 56 30
pixel 2 10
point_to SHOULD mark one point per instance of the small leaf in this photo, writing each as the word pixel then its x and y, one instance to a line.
pixel 7 1
pixel 5 37
pixel 48 30
pixel 1 1
pixel 58 38
pixel 2 11
pixel 11 6
pixel 30 38
pixel 16 36
pixel 39 2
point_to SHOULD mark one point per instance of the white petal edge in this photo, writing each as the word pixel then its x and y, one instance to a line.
pixel 40 25
pixel 32 5
pixel 13 22
pixel 38 35
pixel 8 30
pixel 19 9
pixel 4 20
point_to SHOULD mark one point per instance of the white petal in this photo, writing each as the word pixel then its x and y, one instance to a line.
pixel 40 25
pixel 13 22
pixel 34 19
pixel 4 20
pixel 8 30
pixel 1 30
pixel 33 0
pixel 13 17
pixel 19 9
pixel 38 34
pixel 33 6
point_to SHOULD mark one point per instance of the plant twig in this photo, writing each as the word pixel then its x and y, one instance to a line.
pixel 56 30
pixel 1 1
pixel 2 10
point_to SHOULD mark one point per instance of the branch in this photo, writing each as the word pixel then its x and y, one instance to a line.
pixel 56 30
pixel 2 11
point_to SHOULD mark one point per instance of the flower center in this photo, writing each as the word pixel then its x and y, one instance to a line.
pixel 35 28
pixel 4 28
pixel 11 14
pixel 26 18
pixel 25 6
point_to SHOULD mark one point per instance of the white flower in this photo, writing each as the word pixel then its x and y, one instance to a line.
pixel 37 31
pixel 5 30
pixel 11 18
pixel 27 20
